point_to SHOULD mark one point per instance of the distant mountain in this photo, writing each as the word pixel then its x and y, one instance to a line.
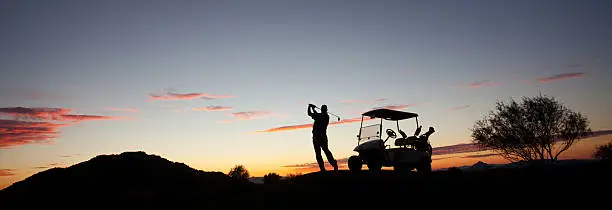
pixel 480 166
pixel 521 164
pixel 128 178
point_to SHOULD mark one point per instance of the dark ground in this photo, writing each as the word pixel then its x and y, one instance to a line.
pixel 141 181
pixel 583 185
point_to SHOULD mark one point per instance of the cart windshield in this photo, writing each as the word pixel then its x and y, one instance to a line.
pixel 370 132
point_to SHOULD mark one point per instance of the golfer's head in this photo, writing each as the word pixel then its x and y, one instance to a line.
pixel 324 108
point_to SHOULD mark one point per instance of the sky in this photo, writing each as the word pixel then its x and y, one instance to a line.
pixel 214 84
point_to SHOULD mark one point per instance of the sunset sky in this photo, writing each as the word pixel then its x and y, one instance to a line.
pixel 214 84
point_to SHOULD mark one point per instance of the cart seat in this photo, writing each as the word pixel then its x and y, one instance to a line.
pixel 411 140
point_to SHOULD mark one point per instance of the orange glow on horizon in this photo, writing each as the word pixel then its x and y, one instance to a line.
pixel 583 149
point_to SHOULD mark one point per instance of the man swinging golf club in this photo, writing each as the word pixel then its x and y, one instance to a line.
pixel 319 135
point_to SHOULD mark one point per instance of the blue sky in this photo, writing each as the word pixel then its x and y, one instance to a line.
pixel 264 61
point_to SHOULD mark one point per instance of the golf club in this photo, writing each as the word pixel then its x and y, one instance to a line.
pixel 315 106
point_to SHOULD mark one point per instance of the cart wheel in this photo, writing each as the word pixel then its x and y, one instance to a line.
pixel 354 163
pixel 424 168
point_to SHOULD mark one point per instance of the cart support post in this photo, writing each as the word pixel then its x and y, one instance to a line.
pixel 360 126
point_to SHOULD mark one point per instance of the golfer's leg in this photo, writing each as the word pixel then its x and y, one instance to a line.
pixel 317 148
pixel 328 154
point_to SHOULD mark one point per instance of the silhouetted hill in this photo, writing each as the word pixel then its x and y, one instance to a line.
pixel 133 178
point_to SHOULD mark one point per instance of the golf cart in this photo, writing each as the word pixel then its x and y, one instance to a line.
pixel 404 154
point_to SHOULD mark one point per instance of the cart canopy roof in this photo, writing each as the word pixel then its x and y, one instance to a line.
pixel 389 114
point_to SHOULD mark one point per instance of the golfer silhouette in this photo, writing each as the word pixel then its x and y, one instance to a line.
pixel 319 136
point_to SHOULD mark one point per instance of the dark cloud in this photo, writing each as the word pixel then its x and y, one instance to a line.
pixel 213 108
pixel 454 149
pixel 479 156
pixel 559 77
pixel 396 107
pixel 481 84
pixel 460 107
pixel 37 113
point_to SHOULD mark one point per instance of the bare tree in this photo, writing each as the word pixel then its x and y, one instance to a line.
pixel 540 128
pixel 239 172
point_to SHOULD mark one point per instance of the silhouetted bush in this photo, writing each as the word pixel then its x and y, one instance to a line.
pixel 239 172
pixel 604 152
pixel 539 128
pixel 271 178
pixel 292 176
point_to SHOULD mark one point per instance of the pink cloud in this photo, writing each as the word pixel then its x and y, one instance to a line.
pixel 185 96
pixel 460 107
pixel 132 110
pixel 559 77
pixel 397 107
pixel 303 126
pixel 44 113
pixel 37 125
pixel 213 108
pixel 286 128
pixel 350 120
pixel 7 172
pixel 250 115
pixel 15 132
pixel 83 117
